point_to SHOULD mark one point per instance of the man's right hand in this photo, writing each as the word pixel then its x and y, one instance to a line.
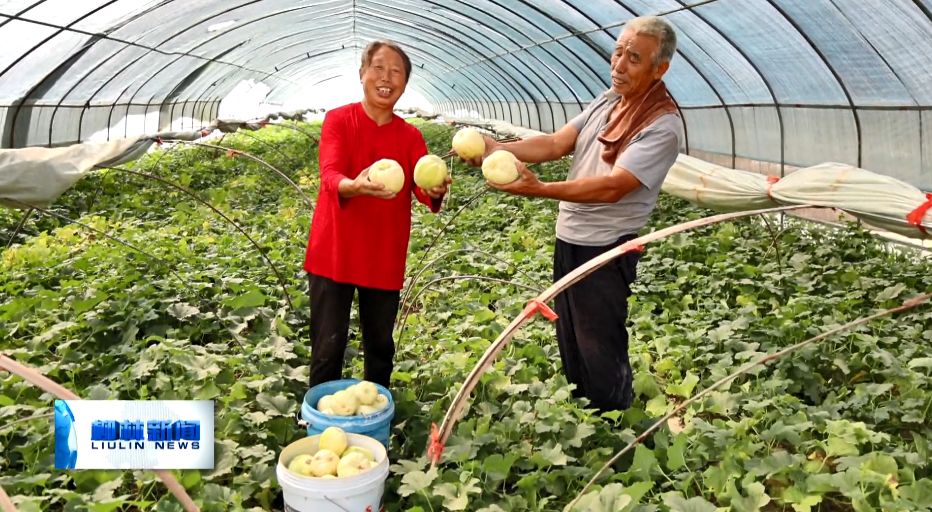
pixel 361 186
pixel 491 145
pixel 532 150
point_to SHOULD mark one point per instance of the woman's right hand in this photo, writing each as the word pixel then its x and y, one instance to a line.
pixel 361 186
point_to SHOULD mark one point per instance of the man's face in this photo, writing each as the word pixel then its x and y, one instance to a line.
pixel 383 81
pixel 632 68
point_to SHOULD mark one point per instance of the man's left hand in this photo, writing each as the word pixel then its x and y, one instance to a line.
pixel 440 191
pixel 527 183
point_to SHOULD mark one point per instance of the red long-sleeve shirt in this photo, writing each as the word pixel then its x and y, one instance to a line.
pixel 363 240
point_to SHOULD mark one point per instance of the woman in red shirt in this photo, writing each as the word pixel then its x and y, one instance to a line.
pixel 360 230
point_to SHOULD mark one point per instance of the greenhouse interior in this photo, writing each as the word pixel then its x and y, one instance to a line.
pixel 199 310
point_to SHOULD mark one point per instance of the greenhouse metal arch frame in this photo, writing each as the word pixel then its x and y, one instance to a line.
pixel 771 72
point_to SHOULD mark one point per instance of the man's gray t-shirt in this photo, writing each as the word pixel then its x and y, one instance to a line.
pixel 649 157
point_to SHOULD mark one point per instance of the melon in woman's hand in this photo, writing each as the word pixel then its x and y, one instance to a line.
pixel 430 171
pixel 388 173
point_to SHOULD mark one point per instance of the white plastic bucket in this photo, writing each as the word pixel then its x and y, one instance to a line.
pixel 360 493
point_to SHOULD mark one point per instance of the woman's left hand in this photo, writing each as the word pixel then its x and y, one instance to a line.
pixel 440 191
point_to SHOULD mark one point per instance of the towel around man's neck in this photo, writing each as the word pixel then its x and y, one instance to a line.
pixel 632 115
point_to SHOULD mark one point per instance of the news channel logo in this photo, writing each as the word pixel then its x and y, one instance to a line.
pixel 134 434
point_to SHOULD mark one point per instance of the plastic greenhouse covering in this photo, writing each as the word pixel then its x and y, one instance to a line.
pixel 768 86
pixel 785 103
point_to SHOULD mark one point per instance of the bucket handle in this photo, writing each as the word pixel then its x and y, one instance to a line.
pixel 289 509
pixel 336 504
pixel 301 423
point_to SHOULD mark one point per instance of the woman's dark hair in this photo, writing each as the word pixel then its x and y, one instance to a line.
pixel 374 46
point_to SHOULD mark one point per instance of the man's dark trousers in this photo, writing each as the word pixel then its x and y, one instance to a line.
pixel 591 328
pixel 330 314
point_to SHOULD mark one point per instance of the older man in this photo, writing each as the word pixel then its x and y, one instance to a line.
pixel 624 143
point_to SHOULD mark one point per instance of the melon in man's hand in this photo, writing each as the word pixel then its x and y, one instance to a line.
pixel 430 171
pixel 500 167
pixel 388 173
pixel 468 143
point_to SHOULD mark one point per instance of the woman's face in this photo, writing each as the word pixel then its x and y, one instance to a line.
pixel 383 81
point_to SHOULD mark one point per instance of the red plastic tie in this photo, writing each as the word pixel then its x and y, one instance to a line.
pixel 535 306
pixel 915 217
pixel 773 180
pixel 637 248
pixel 205 133
pixel 436 447
pixel 158 141
pixel 232 152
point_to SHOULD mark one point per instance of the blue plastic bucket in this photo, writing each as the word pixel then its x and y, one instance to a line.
pixel 377 426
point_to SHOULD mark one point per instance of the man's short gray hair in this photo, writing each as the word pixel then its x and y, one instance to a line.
pixel 660 29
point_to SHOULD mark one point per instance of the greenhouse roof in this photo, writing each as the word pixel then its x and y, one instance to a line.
pixel 797 82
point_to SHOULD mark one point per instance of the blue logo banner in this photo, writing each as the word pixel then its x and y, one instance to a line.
pixel 140 434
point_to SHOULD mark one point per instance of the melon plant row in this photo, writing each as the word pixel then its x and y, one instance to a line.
pixel 841 426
